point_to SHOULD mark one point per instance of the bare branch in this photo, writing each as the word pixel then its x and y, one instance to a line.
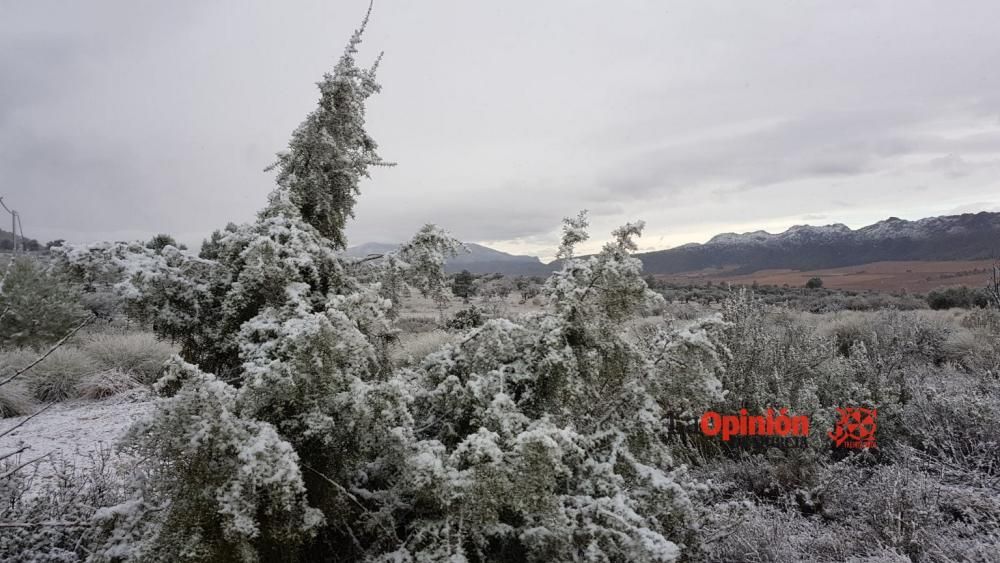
pixel 14 453
pixel 42 524
pixel 369 258
pixel 25 464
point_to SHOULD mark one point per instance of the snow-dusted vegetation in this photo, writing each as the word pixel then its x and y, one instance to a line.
pixel 300 420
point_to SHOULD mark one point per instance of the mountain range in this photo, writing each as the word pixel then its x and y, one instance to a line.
pixel 970 236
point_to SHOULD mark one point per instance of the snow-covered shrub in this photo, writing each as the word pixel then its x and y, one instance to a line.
pixel 103 303
pixel 543 439
pixel 748 532
pixel 683 311
pixel 984 355
pixel 915 514
pixel 467 318
pixel 140 354
pixel 305 409
pixel 772 359
pixel 330 151
pixel 56 378
pixel 37 306
pixel 52 521
pixel 897 336
pixel 230 487
pixel 106 383
pixel 954 418
pixel 170 289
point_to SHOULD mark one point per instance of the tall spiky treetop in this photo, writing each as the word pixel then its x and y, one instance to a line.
pixel 330 151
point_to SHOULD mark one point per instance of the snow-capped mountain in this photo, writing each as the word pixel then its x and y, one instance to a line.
pixel 804 247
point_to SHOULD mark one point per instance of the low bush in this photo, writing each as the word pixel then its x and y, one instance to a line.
pixel 39 306
pixel 467 318
pixel 60 509
pixel 961 296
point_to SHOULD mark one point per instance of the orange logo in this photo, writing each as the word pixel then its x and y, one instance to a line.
pixel 855 429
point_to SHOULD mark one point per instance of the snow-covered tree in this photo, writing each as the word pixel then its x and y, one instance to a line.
pixel 37 305
pixel 285 430
pixel 331 151
pixel 544 439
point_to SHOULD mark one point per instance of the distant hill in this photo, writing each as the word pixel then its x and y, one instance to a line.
pixel 955 237
pixel 966 237
pixel 479 260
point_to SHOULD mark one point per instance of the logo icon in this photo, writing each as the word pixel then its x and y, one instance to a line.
pixel 855 429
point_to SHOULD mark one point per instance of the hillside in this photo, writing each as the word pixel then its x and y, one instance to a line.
pixel 946 238
pixel 950 242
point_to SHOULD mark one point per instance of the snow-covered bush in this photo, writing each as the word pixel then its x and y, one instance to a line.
pixel 229 488
pixel 542 439
pixel 952 418
pixel 772 360
pixel 467 318
pixel 52 521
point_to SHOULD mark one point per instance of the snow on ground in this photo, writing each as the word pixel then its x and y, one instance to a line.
pixel 73 431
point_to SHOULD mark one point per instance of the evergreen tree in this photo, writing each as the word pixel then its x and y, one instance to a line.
pixel 287 434
pixel 331 151
pixel 37 305
pixel 462 285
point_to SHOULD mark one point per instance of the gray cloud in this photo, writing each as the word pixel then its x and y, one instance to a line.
pixel 122 119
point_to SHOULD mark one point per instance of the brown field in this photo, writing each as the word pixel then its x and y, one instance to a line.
pixel 913 276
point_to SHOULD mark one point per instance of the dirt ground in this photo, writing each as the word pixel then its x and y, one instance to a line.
pixel 911 276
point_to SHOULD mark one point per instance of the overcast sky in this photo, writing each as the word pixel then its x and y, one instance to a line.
pixel 122 119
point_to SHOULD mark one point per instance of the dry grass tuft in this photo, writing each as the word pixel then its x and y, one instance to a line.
pixel 15 401
pixel 105 384
pixel 57 377
pixel 140 354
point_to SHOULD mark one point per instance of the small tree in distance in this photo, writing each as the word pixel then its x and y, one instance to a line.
pixel 462 286
pixel 161 241
pixel 814 283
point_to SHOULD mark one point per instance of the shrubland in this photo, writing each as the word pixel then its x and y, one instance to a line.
pixel 305 418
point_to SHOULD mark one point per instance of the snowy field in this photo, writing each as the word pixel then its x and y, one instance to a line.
pixel 72 432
